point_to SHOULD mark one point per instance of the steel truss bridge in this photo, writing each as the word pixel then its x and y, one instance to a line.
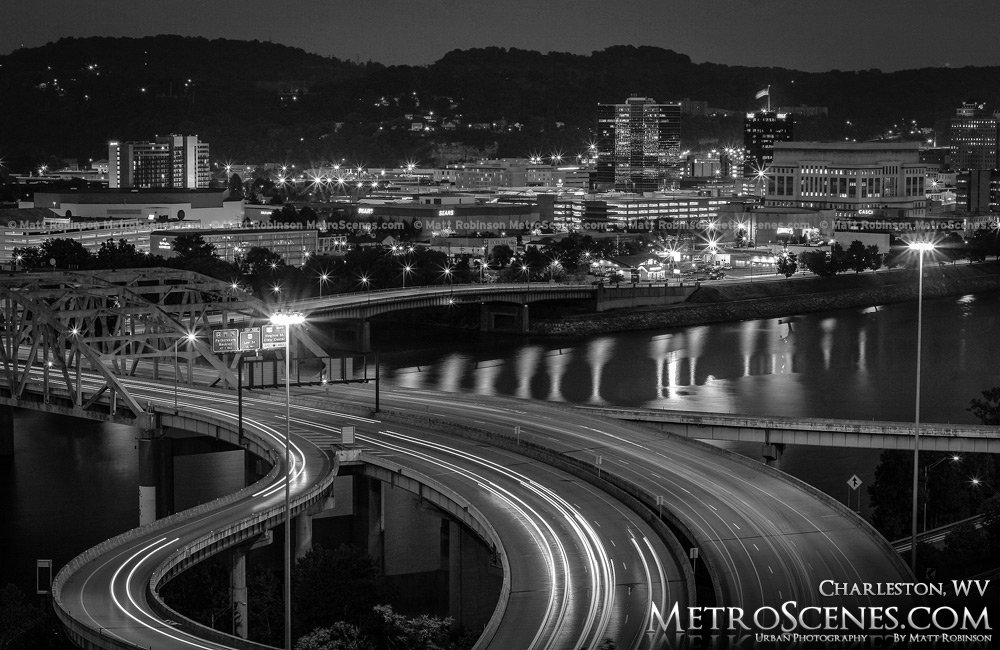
pixel 57 326
pixel 87 343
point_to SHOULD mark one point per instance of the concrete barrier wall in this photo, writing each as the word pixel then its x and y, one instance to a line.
pixel 641 502
pixel 841 509
pixel 641 296
pixel 88 637
pixel 460 508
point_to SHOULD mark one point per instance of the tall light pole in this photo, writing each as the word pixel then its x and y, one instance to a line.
pixel 189 337
pixel 323 277
pixel 406 269
pixel 927 468
pixel 447 273
pixel 287 320
pixel 365 281
pixel 920 247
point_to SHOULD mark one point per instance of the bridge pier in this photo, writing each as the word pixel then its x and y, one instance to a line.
pixel 369 532
pixel 470 568
pixel 303 535
pixel 238 589
pixel 6 430
pixel 772 454
pixel 357 331
pixel 156 476
pixel 501 317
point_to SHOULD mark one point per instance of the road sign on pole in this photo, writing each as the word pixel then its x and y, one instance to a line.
pixel 225 341
pixel 854 483
pixel 250 339
pixel 272 336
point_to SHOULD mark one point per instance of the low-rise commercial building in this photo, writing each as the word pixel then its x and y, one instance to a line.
pixel 17 232
pixel 209 207
pixel 294 245
pixel 859 180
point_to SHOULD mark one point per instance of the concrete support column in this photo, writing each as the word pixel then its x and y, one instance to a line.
pixel 6 430
pixel 368 519
pixel 303 535
pixel 772 454
pixel 363 337
pixel 238 590
pixel 485 318
pixel 451 541
pixel 254 468
pixel 521 319
pixel 156 477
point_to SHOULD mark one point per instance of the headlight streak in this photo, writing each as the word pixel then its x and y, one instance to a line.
pixel 297 457
pixel 664 585
pixel 149 550
pixel 601 568
pixel 520 506
pixel 605 578
pixel 649 577
pixel 698 521
pixel 774 538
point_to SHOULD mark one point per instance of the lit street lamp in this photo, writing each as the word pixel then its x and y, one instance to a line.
pixel 927 468
pixel 323 278
pixel 920 247
pixel 406 269
pixel 366 282
pixel 286 320
pixel 976 482
pixel 447 273
pixel 189 338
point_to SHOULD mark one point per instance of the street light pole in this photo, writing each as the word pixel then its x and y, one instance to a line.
pixel 920 247
pixel 176 373
pixel 927 468
pixel 190 336
pixel 287 320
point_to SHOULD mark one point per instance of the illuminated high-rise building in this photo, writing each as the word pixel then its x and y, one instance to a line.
pixel 173 161
pixel 638 144
pixel 760 131
pixel 975 137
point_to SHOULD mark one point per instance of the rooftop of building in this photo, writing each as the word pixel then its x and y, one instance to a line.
pixel 21 215
pixel 230 231
pixel 849 146
pixel 130 190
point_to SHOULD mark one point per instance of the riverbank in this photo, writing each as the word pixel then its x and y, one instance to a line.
pixel 732 301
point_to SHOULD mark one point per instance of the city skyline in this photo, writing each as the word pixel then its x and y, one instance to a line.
pixel 810 36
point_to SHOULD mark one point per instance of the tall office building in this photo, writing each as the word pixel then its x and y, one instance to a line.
pixel 638 144
pixel 975 137
pixel 173 161
pixel 760 131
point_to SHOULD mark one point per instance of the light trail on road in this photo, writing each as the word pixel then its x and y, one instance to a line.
pixel 585 595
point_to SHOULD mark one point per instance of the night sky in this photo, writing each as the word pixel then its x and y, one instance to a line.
pixel 809 35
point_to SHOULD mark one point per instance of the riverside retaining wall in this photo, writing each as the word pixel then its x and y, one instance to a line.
pixel 773 299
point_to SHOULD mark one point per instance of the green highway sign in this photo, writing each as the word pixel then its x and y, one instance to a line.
pixel 250 339
pixel 272 336
pixel 225 341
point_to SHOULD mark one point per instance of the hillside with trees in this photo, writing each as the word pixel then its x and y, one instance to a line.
pixel 265 102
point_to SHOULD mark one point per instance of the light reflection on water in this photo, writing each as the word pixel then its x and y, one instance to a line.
pixel 848 364
pixel 72 483
pixel 856 364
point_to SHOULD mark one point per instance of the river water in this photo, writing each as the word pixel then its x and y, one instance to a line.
pixel 72 483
